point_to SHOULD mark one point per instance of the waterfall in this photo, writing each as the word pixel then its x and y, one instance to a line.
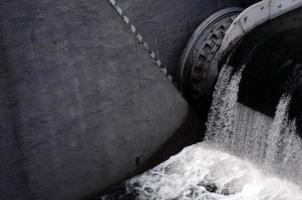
pixel 246 155
pixel 249 134
pixel 221 117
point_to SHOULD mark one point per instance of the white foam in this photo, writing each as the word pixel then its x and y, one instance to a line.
pixel 197 170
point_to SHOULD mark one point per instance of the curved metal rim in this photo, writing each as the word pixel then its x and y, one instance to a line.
pixel 254 16
pixel 197 33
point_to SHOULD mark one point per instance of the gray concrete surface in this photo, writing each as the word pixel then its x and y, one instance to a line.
pixel 82 106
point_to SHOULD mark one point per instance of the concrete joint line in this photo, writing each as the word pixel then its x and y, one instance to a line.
pixel 140 39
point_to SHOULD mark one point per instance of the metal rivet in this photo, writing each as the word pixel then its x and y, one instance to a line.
pixel 245 18
pixel 164 70
pixel 133 29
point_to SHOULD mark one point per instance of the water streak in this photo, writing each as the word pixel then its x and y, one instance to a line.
pixel 222 112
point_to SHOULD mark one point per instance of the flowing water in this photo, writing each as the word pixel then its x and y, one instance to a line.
pixel 246 155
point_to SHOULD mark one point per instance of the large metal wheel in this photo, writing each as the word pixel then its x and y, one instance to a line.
pixel 195 77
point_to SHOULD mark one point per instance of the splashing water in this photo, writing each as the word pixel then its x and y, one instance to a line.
pixel 246 155
pixel 201 173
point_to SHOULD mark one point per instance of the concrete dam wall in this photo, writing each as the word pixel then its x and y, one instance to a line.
pixel 83 106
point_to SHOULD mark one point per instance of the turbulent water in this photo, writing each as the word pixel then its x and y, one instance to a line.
pixel 201 173
pixel 246 155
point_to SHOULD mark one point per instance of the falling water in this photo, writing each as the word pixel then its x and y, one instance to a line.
pixel 222 113
pixel 276 132
pixel 233 127
pixel 246 155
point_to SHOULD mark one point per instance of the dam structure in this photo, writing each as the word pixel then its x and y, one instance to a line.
pixel 252 143
pixel 150 100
